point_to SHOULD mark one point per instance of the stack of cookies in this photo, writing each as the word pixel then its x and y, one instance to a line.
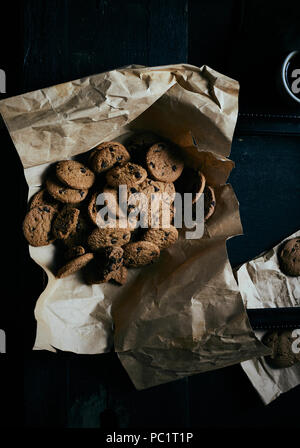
pixel 65 211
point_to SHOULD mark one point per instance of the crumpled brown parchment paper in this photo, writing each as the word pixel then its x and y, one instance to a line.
pixel 263 285
pixel 183 315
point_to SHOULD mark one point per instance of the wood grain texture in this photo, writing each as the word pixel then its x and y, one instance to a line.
pixel 66 39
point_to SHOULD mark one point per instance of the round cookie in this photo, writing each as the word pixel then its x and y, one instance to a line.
pixel 107 236
pixel 65 222
pixel 74 252
pixel 164 162
pixel 289 257
pixel 104 266
pixel 37 226
pixel 209 202
pixel 113 256
pixel 281 343
pixel 191 181
pixel 150 186
pixel 140 253
pixel 74 265
pixel 163 238
pixel 74 174
pixel 93 275
pixel 119 276
pixel 64 194
pixel 111 203
pixel 42 198
pixel 78 236
pixel 129 174
pixel 107 155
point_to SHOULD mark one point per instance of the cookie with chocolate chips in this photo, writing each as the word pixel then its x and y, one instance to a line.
pixel 65 222
pixel 281 343
pixel 74 174
pixel 164 162
pixel 42 198
pixel 163 238
pixel 105 265
pixel 107 155
pixel 108 236
pixel 150 187
pixel 129 174
pixel 289 257
pixel 78 236
pixel 65 194
pixel 74 265
pixel 37 225
pixel 111 201
pixel 140 253
pixel 119 276
pixel 74 252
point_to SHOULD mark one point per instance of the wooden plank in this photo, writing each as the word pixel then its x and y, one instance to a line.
pixel 266 182
pixel 102 395
pixel 45 391
pixel 211 27
pixel 46 54
pixel 167 32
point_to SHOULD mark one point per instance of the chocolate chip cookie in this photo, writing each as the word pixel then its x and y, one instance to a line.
pixel 74 174
pixel 78 236
pixel 65 194
pixel 107 236
pixel 129 174
pixel 163 238
pixel 289 257
pixel 140 253
pixel 37 226
pixel 105 265
pixel 282 344
pixel 74 265
pixel 74 252
pixel 164 162
pixel 119 276
pixel 107 155
pixel 42 198
pixel 166 189
pixel 65 222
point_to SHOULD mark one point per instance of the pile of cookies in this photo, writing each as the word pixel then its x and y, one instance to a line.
pixel 65 210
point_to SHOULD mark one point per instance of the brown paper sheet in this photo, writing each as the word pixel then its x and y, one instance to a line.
pixel 184 314
pixel 263 285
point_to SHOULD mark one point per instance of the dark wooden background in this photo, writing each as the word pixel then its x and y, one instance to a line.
pixel 59 40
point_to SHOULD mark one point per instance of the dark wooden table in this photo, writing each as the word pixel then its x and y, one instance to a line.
pixel 60 40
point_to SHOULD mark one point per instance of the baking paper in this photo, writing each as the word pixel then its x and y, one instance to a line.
pixel 263 285
pixel 184 314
